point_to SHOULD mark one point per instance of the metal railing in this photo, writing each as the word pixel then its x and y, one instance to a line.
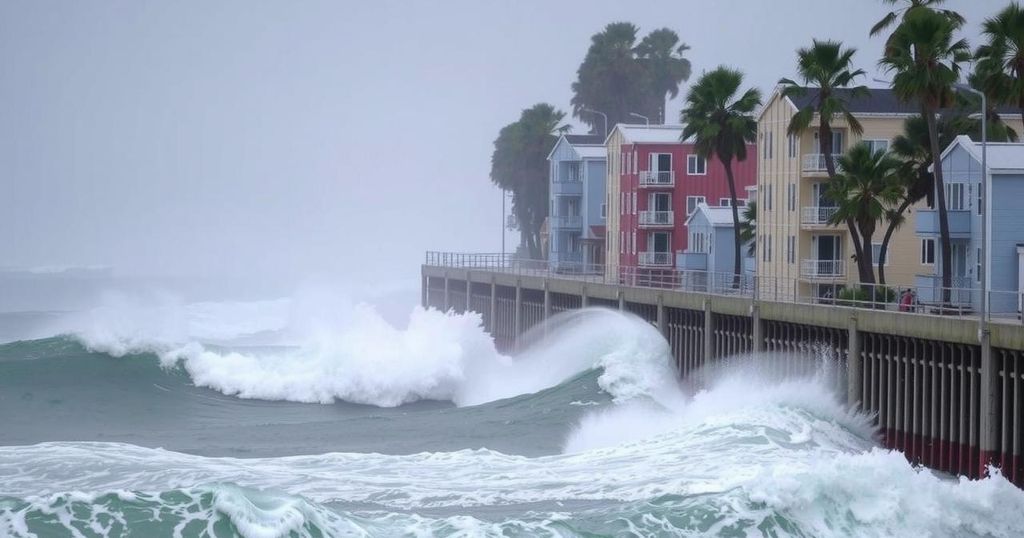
pixel 571 176
pixel 655 259
pixel 815 162
pixel 657 218
pixel 655 178
pixel 566 221
pixel 817 214
pixel 924 299
pixel 822 268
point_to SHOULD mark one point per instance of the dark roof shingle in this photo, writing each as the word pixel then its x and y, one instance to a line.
pixel 877 101
pixel 584 139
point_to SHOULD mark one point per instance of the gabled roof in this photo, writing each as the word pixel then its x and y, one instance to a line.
pixel 585 146
pixel 716 215
pixel 877 101
pixel 648 134
pixel 590 139
pixel 591 151
pixel 1001 157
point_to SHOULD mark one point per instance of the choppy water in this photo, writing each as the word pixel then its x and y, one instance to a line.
pixel 363 429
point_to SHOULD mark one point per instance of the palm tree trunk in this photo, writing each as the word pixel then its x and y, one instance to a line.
pixel 738 243
pixel 940 197
pixel 884 251
pixel 866 230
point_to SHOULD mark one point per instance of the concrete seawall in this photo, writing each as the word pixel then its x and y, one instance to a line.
pixel 944 398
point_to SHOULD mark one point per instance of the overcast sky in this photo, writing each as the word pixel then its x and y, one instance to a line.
pixel 286 139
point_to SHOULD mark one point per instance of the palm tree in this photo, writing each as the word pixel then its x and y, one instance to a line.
pixel 1001 58
pixel 828 66
pixel 748 227
pixel 721 119
pixel 661 54
pixel 895 14
pixel 924 58
pixel 864 191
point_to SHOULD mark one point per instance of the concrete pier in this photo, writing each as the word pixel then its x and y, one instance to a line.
pixel 939 395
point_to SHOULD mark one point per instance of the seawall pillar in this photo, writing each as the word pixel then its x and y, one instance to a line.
pixel 756 330
pixel 447 305
pixel 517 315
pixel 989 442
pixel 709 332
pixel 662 327
pixel 854 371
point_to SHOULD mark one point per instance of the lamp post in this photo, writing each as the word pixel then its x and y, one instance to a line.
pixel 602 114
pixel 647 121
pixel 984 262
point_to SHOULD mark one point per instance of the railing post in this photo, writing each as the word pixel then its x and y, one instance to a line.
pixel 469 290
pixel 989 373
pixel 854 370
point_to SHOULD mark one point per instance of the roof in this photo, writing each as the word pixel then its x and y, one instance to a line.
pixel 575 139
pixel 877 101
pixel 1001 157
pixel 649 134
pixel 716 215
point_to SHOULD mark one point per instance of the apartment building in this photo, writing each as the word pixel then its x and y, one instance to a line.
pixel 576 222
pixel 797 250
pixel 655 182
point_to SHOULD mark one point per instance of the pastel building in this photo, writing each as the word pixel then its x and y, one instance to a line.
pixel 711 245
pixel 576 222
pixel 655 182
pixel 798 252
pixel 962 175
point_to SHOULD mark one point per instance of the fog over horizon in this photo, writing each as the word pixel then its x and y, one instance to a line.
pixel 282 142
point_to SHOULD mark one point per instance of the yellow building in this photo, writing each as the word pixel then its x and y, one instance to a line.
pixel 797 251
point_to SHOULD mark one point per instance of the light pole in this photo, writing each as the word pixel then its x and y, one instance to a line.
pixel 647 121
pixel 982 323
pixel 602 114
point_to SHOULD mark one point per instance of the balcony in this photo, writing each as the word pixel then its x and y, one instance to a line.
pixel 656 219
pixel 693 261
pixel 816 215
pixel 815 162
pixel 567 221
pixel 827 269
pixel 926 222
pixel 654 178
pixel 656 259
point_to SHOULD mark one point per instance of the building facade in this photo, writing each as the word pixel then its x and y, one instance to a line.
pixel 962 175
pixel 655 182
pixel 798 252
pixel 711 243
pixel 577 212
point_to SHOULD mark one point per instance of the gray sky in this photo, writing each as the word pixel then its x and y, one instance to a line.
pixel 281 140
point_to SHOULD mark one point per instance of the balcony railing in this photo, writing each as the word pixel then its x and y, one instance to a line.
pixel 654 178
pixel 656 259
pixel 926 222
pixel 815 162
pixel 572 176
pixel 817 214
pixel 822 268
pixel 566 221
pixel 656 218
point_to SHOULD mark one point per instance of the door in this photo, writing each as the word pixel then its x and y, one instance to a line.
pixel 659 201
pixel 828 253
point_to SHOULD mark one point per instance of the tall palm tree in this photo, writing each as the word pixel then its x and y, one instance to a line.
pixel 890 18
pixel 925 58
pixel 864 191
pixel 661 54
pixel 1001 58
pixel 721 119
pixel 828 67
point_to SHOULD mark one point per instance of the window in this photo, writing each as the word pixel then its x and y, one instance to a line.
pixel 604 211
pixel 768 241
pixel 696 165
pixel 837 142
pixel 791 255
pixel 764 253
pixel 792 196
pixel 692 202
pixel 876 254
pixel 634 241
pixel 634 202
pixel 928 251
pixel 634 162
pixel 768 197
pixel 977 266
pixel 877 145
pixel 955 197
pixel 725 202
pixel 980 202
pixel 791 145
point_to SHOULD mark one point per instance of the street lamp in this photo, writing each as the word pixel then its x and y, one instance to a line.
pixel 984 207
pixel 602 114
pixel 647 121
pixel 504 224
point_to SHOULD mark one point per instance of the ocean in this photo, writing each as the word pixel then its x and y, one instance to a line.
pixel 272 419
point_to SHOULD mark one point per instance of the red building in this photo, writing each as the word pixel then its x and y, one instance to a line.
pixel 660 182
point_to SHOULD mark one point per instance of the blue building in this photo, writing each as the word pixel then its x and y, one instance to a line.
pixel 962 175
pixel 710 246
pixel 576 223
